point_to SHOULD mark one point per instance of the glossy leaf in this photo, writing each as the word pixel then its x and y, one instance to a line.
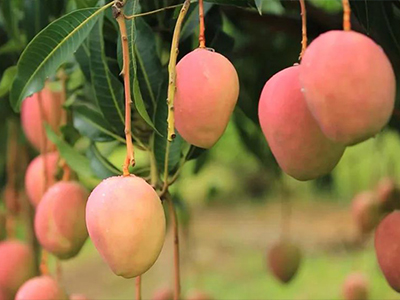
pixel 91 123
pixel 100 165
pixel 192 20
pixel 107 89
pixel 79 163
pixel 36 17
pixel 82 56
pixel 49 49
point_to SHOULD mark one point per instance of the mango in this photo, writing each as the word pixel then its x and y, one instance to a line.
pixel 60 219
pixel 207 89
pixel 349 85
pixel 41 288
pixel 126 222
pixel 296 141
pixel 356 287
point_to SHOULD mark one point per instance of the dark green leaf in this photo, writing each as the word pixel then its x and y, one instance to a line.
pixel 85 3
pixel 91 123
pixel 259 4
pixel 7 79
pixel 108 90
pixel 160 142
pixel 49 49
pixel 82 56
pixel 100 165
pixel 79 163
pixel 241 3
pixel 36 17
pixel 192 20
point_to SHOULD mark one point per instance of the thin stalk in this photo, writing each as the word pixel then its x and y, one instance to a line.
pixel 303 28
pixel 346 15
pixel 202 38
pixel 177 275
pixel 171 89
pixel 152 12
pixel 130 158
pixel 138 290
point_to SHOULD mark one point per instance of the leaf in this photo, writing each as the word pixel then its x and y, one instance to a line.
pixel 192 20
pixel 79 163
pixel 7 79
pixel 259 4
pixel 131 8
pixel 148 62
pixel 241 3
pixel 9 14
pixel 91 123
pixel 85 3
pixel 36 17
pixel 160 142
pixel 101 166
pixel 49 49
pixel 82 56
pixel 107 89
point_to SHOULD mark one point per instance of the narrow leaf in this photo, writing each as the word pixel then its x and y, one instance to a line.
pixel 100 165
pixel 49 49
pixel 107 89
pixel 79 163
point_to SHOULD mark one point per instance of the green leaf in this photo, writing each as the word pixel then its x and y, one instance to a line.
pixel 148 62
pixel 85 3
pixel 77 162
pixel 241 3
pixel 49 49
pixel 131 8
pixel 36 17
pixel 91 123
pixel 82 56
pixel 192 20
pixel 259 4
pixel 160 142
pixel 9 14
pixel 108 90
pixel 101 166
pixel 7 79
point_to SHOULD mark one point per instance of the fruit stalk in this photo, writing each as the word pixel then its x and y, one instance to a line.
pixel 172 71
pixel 177 276
pixel 346 15
pixel 130 158
pixel 138 290
pixel 303 14
pixel 202 39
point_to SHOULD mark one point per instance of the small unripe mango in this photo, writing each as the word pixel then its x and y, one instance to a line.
pixel 207 89
pixel 366 211
pixel 16 265
pixel 387 245
pixel 388 194
pixel 31 117
pixel 284 260
pixel 60 219
pixel 125 220
pixel 349 85
pixel 355 287
pixel 41 288
pixel 295 139
pixel 35 181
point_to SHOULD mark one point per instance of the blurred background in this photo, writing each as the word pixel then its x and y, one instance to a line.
pixel 233 201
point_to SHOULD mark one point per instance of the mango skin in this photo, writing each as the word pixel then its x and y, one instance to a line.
pixel 34 176
pixel 298 144
pixel 366 211
pixel 2 226
pixel 30 115
pixel 207 89
pixel 349 85
pixel 17 265
pixel 284 260
pixel 60 224
pixel 78 297
pixel 126 222
pixel 163 294
pixel 387 245
pixel 41 288
pixel 356 287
